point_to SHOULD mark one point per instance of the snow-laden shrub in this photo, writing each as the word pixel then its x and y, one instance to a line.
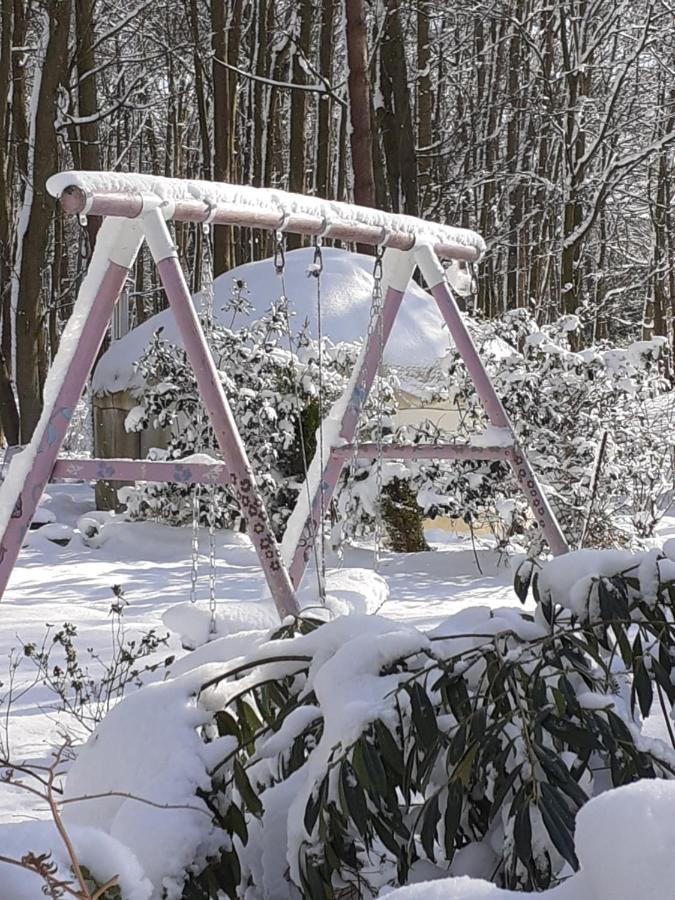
pixel 624 840
pixel 275 393
pixel 338 756
pixel 596 425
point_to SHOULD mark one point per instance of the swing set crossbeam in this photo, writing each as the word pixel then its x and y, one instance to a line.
pixel 175 472
pixel 370 450
pixel 131 195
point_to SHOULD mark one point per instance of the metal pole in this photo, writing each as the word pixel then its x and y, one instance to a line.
pixel 119 243
pixel 242 478
pixel 434 275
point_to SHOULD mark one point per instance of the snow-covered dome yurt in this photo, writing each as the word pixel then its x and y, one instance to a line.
pixel 419 340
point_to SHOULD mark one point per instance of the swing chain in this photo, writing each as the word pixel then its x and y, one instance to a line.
pixel 317 262
pixel 379 409
pixel 375 324
pixel 194 571
pixel 212 560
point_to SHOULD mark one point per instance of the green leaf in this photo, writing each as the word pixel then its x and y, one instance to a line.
pixel 226 724
pixel 457 745
pixel 462 771
pixel 430 819
pixel 245 788
pixel 314 804
pixel 570 733
pixel 522 835
pixel 562 836
pixel 376 773
pixel 423 716
pixel 354 799
pixel 386 836
pixel 389 748
pixel 452 818
pixel 522 579
pixel 478 723
pixel 502 789
pixel 458 698
pixel 235 822
pixel 642 686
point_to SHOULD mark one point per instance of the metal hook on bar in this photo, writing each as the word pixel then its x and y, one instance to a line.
pixel 211 211
pixel 279 253
pixel 326 224
pixel 317 263
pixel 284 223
pixel 387 234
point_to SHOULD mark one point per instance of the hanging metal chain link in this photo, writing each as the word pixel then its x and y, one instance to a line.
pixel 379 413
pixel 194 569
pixel 280 269
pixel 207 314
pixel 316 271
pixel 212 560
pixel 375 330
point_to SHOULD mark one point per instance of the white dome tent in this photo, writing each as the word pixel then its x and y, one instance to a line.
pixel 419 338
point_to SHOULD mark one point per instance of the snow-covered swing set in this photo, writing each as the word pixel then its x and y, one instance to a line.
pixel 137 208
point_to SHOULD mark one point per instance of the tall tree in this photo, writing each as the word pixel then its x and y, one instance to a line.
pixel 51 69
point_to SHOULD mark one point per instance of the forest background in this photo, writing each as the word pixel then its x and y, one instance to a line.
pixel 546 125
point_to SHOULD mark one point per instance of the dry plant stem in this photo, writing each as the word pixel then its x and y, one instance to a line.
pixel 128 796
pixel 58 822
pixel 104 887
pixel 82 892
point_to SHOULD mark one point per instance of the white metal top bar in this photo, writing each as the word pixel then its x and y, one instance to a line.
pixel 129 195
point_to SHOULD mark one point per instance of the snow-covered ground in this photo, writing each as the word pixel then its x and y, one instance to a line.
pixel 53 584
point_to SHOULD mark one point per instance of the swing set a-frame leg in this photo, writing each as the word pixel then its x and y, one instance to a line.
pixel 117 244
pixel 242 478
pixel 434 275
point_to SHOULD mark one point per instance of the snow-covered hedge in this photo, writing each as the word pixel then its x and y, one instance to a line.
pixel 595 424
pixel 275 392
pixel 600 412
pixel 347 754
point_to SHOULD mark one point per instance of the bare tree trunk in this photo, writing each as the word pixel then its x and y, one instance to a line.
pixel 87 97
pixel 323 142
pixel 399 138
pixel 8 411
pixel 200 93
pixel 224 46
pixel 359 103
pixel 37 212
pixel 424 101
pixel 296 150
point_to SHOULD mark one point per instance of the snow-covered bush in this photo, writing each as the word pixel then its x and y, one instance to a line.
pixel 624 840
pixel 338 756
pixel 595 423
pixel 275 393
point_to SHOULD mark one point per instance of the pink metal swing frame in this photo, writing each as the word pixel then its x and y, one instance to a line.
pixel 137 210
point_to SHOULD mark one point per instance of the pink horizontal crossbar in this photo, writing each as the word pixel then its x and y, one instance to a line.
pixel 178 472
pixel 369 450
pixel 74 200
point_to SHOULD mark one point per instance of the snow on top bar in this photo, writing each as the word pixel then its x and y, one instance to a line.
pixel 261 200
